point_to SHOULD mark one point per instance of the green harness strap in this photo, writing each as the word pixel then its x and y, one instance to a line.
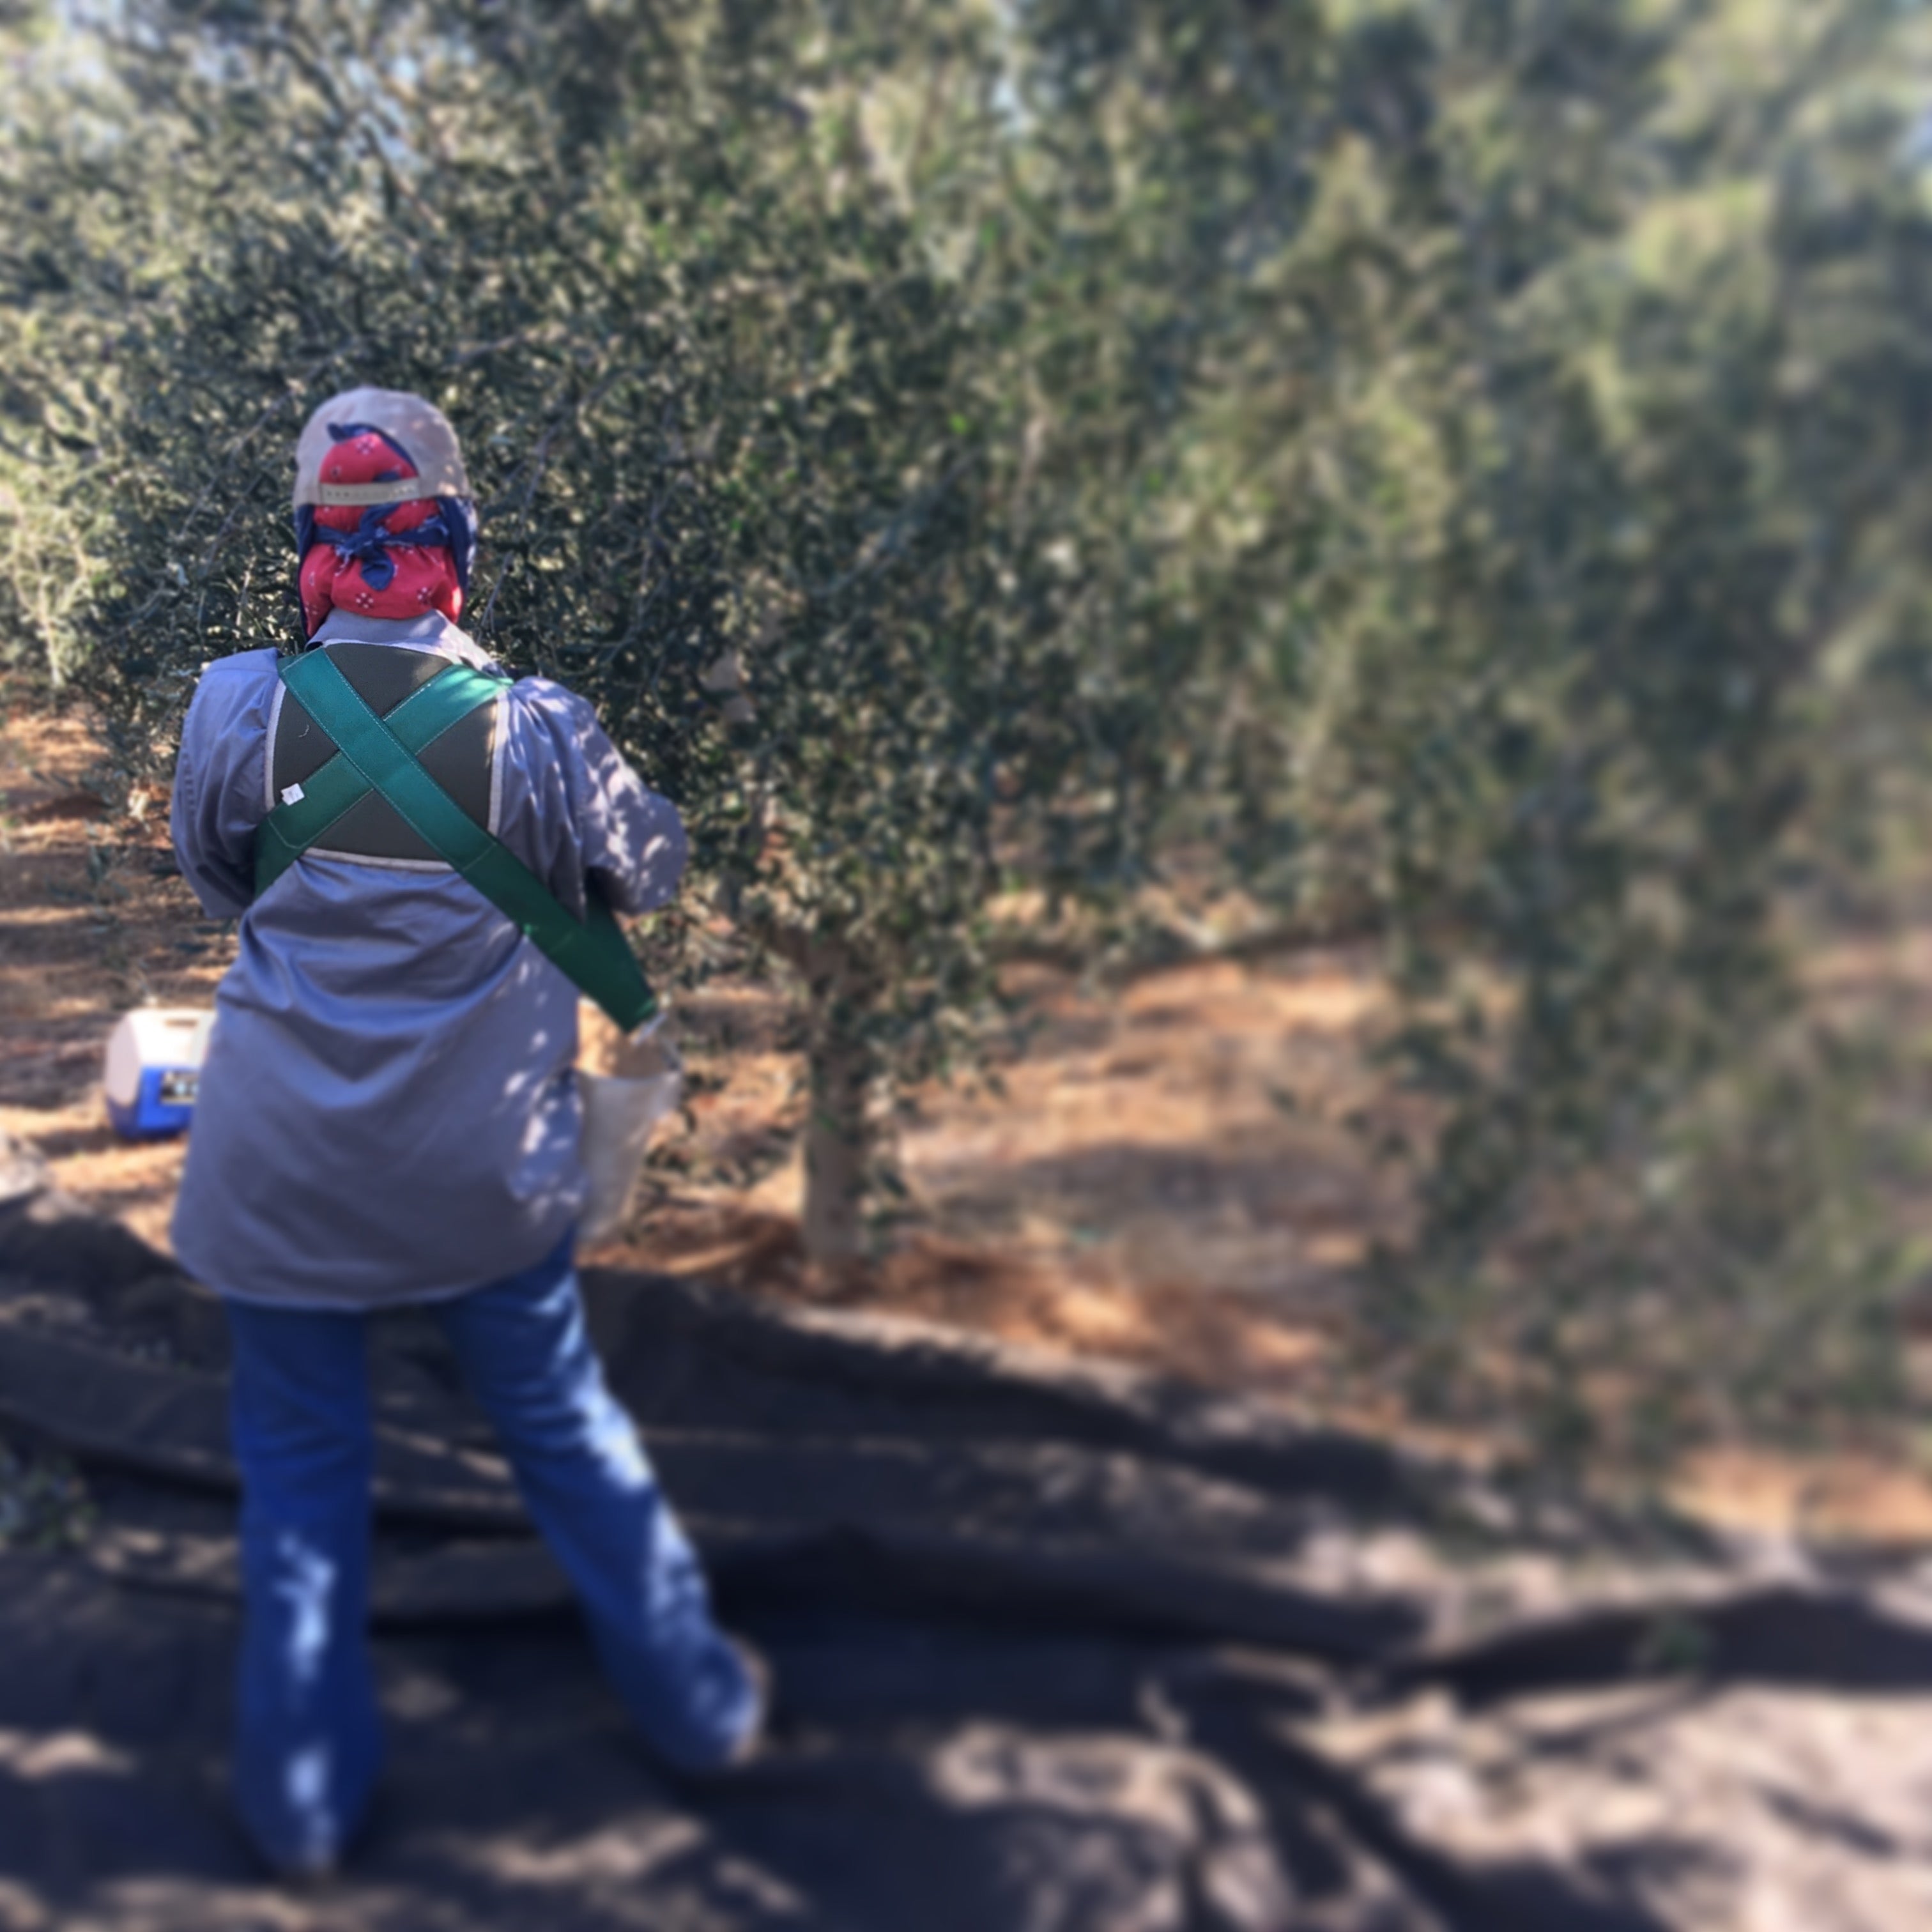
pixel 416 723
pixel 377 754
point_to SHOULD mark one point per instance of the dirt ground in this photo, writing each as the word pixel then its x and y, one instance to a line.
pixel 1162 1174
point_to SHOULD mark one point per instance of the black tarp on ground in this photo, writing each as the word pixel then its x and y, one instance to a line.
pixel 1059 1648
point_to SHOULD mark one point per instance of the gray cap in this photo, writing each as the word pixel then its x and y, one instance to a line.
pixel 417 427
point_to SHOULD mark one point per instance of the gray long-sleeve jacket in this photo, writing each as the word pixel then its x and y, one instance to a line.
pixel 388 1112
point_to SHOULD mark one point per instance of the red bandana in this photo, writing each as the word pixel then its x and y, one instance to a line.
pixel 400 580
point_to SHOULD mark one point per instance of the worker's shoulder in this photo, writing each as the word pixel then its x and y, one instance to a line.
pixel 240 671
pixel 554 705
pixel 230 688
pixel 537 689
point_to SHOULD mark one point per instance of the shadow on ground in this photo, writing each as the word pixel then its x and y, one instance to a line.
pixel 1064 1648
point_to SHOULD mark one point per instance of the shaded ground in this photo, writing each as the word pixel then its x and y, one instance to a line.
pixel 1066 1647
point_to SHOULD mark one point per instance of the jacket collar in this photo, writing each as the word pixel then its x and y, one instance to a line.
pixel 432 631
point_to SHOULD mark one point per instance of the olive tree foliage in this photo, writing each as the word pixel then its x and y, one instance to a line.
pixel 1578 457
pixel 56 317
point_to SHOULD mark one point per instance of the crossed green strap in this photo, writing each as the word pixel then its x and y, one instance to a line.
pixel 379 754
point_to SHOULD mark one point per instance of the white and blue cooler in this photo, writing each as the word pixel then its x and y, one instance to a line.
pixel 153 1067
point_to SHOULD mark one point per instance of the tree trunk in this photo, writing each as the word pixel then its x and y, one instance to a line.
pixel 838 1134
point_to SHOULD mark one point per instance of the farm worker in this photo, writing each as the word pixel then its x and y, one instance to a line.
pixel 387 1113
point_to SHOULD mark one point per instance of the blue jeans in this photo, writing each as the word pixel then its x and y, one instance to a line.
pixel 308 1739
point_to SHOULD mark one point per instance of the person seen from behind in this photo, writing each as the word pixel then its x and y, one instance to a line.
pixel 388 1115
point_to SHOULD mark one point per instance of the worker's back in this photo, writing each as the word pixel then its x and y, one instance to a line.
pixel 387 1108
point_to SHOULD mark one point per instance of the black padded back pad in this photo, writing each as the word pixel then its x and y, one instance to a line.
pixel 460 761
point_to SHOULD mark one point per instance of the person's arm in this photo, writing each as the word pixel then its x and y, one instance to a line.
pixel 218 798
pixel 634 841
pixel 579 809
